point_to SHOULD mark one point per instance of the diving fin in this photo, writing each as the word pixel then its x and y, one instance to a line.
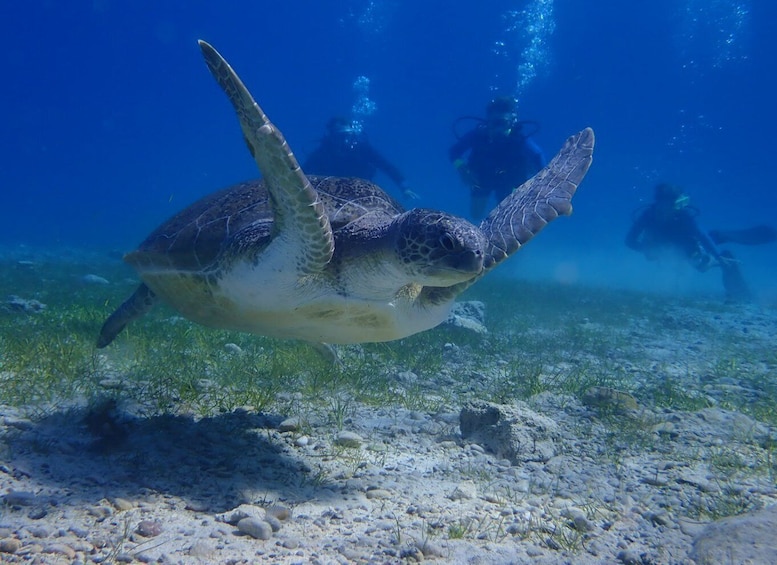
pixel 733 282
pixel 757 235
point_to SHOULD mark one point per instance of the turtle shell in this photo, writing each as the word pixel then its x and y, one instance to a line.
pixel 195 238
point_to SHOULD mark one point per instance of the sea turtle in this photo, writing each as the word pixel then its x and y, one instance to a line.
pixel 323 259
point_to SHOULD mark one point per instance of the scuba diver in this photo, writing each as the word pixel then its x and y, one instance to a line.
pixel 502 155
pixel 344 151
pixel 669 225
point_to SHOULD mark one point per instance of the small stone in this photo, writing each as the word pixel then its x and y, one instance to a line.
pixel 666 429
pixel 17 304
pixel 258 529
pixel 655 481
pixel 278 511
pixel 609 399
pixel 629 557
pixel 60 549
pixel 200 549
pixel 78 532
pixel 149 528
pixel 18 423
pixel 197 506
pixel 291 543
pixel 578 518
pixel 465 491
pixel 348 439
pixel 122 505
pixel 275 524
pixel 378 493
pixel 112 384
pixel 101 512
pixel 242 511
pixel 582 524
pixel 658 518
pixel 233 348
pixel 94 279
pixel 19 498
pixel 39 532
pixel 10 545
pixel 37 513
pixel 289 425
pixel 429 548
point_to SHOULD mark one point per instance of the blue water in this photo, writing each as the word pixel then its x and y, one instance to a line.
pixel 111 122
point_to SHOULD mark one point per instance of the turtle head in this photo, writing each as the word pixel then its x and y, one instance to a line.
pixel 438 249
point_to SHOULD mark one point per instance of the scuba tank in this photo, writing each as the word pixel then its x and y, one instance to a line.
pixel 525 128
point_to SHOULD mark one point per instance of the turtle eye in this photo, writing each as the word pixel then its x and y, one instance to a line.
pixel 447 242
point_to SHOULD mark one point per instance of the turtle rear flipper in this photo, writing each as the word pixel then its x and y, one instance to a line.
pixel 141 301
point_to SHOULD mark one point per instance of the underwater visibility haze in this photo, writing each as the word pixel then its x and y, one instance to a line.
pixel 110 125
pixel 648 393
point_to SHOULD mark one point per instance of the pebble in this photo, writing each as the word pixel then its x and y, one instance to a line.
pixel 10 545
pixel 27 306
pixel 78 532
pixel 149 528
pixel 348 439
pixel 603 397
pixel 19 423
pixel 60 549
pixel 289 425
pixel 112 384
pixel 629 557
pixel 464 491
pixel 19 498
pixel 122 505
pixel 430 549
pixel 94 279
pixel 233 348
pixel 378 493
pixel 39 532
pixel 242 511
pixel 200 549
pixel 37 513
pixel 278 511
pixel 255 528
pixel 101 512
pixel 578 518
pixel 275 524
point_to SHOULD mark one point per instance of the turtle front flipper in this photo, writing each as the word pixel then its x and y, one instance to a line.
pixel 299 215
pixel 141 301
pixel 538 201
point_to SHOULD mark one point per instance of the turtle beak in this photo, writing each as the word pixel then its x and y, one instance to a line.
pixel 456 267
pixel 469 261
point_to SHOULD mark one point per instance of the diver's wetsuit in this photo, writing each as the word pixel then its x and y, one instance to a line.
pixel 499 164
pixel 348 156
pixel 654 231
